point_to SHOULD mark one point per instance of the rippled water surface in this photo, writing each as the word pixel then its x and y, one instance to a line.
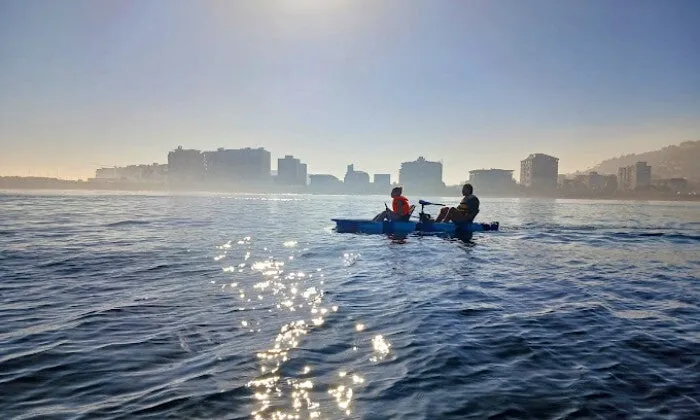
pixel 250 306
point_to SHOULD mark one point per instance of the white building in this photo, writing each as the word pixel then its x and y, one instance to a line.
pixel 540 172
pixel 634 177
pixel 493 180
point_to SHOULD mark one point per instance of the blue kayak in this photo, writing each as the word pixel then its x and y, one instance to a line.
pixel 424 225
pixel 401 227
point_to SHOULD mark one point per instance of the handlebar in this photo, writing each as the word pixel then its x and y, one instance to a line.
pixel 427 203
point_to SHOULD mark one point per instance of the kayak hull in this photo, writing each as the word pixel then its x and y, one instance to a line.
pixel 400 227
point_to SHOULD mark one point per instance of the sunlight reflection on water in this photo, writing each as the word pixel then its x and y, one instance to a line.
pixel 282 395
pixel 279 392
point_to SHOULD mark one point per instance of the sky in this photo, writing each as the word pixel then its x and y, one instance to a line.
pixel 472 83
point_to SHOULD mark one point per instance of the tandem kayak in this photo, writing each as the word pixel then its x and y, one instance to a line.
pixel 424 225
pixel 401 227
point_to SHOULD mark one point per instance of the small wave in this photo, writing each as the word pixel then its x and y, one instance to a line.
pixel 549 227
pixel 128 223
pixel 158 267
pixel 476 311
pixel 621 232
pixel 553 227
pixel 60 262
pixel 669 235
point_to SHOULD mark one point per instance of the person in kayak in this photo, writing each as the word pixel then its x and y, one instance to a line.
pixel 400 207
pixel 465 212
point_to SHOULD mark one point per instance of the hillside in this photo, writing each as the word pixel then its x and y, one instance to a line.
pixel 678 161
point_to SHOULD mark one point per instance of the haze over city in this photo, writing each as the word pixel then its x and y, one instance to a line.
pixel 475 84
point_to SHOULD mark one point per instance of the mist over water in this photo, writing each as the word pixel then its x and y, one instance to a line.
pixel 251 306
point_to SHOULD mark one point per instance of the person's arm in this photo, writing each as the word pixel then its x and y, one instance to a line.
pixel 463 206
pixel 472 206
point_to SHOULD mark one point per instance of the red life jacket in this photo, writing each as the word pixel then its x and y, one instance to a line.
pixel 404 205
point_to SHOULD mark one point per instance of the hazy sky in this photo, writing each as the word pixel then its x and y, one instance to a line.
pixel 476 84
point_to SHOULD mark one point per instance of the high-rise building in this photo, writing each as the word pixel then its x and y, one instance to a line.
pixel 325 183
pixel 303 174
pixel 539 172
pixel 493 180
pixel 634 177
pixel 421 175
pixel 356 181
pixel 108 174
pixel 624 175
pixel 382 181
pixel 642 175
pixel 185 165
pixel 610 186
pixel 595 181
pixel 238 165
pixel 290 171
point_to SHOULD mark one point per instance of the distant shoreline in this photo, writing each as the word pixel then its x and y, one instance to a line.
pixel 19 183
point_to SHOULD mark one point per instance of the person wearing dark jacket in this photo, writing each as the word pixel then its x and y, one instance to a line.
pixel 465 212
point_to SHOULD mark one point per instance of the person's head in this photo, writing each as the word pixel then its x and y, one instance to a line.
pixel 467 189
pixel 396 191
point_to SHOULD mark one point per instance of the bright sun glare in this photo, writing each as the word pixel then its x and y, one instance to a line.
pixel 311 6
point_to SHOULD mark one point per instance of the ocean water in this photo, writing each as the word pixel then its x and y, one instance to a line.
pixel 251 306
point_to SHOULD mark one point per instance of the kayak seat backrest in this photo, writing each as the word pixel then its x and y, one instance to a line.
pixel 410 212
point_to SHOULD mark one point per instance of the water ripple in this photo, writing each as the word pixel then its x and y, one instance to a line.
pixel 233 306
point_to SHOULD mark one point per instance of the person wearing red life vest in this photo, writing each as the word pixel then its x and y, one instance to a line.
pixel 400 207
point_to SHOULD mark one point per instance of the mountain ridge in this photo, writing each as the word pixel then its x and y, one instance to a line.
pixel 675 161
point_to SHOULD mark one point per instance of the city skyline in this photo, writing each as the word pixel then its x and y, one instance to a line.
pixel 474 84
pixel 255 164
pixel 394 174
pixel 252 167
pixel 250 170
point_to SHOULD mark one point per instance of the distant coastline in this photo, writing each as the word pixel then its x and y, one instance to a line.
pixel 39 183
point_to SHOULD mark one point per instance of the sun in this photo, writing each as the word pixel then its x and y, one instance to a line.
pixel 311 6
